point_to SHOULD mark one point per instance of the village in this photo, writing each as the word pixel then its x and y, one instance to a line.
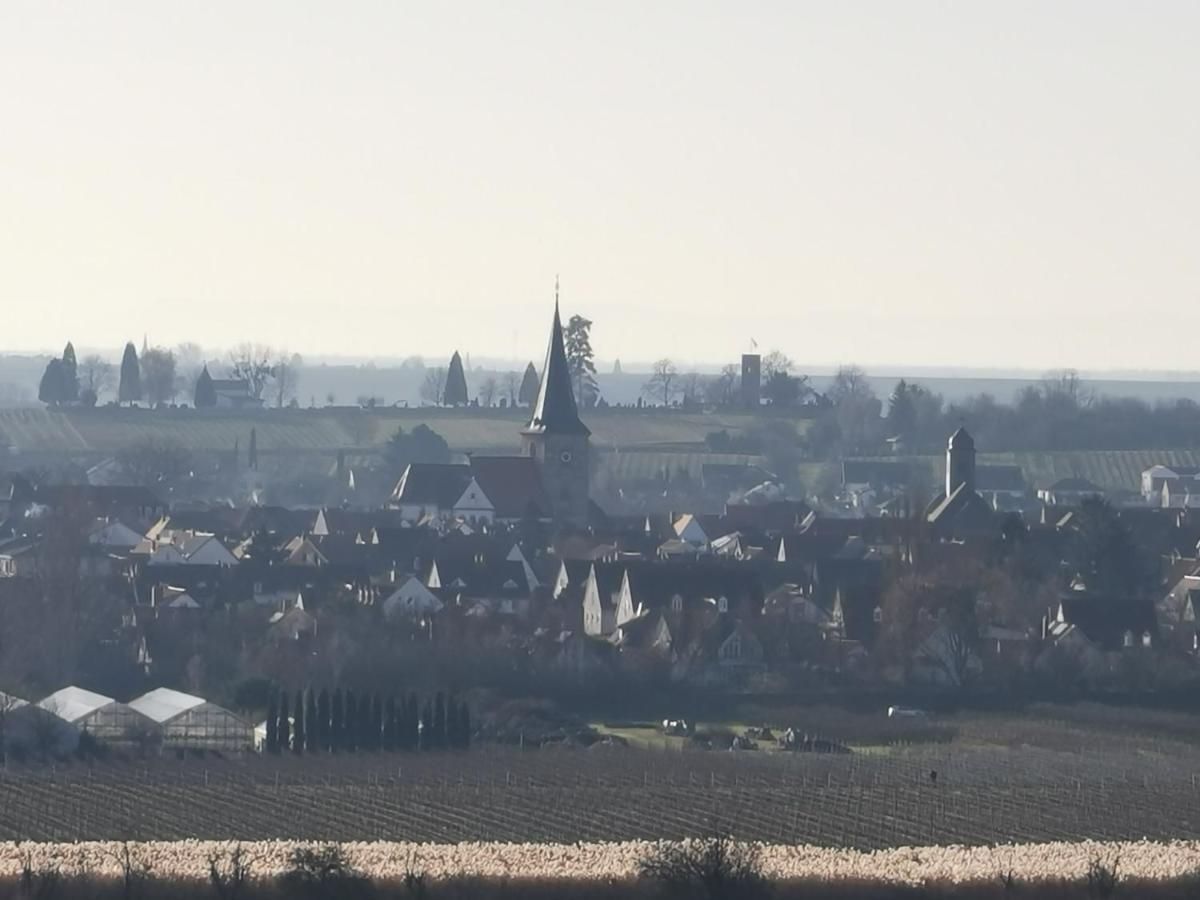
pixel 502 576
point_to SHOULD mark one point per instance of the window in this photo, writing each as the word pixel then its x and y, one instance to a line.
pixel 676 603
pixel 1147 640
pixel 722 604
pixel 877 615
pixel 1128 641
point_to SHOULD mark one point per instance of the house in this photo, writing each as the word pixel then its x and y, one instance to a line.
pixel 1070 492
pixel 235 393
pixel 411 599
pixel 19 557
pixel 429 491
pixel 192 550
pixel 1157 477
pixel 185 722
pixel 1000 485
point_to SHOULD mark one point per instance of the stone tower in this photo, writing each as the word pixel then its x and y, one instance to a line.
pixel 960 461
pixel 556 437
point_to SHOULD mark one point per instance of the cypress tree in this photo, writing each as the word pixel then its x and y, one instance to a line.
pixel 52 388
pixel 285 725
pixel 337 722
pixel 350 723
pixel 390 724
pixel 70 374
pixel 312 724
pixel 527 395
pixel 206 392
pixel 414 721
pixel 439 721
pixel 464 725
pixel 324 738
pixel 271 745
pixel 425 728
pixel 455 393
pixel 299 732
pixel 129 389
pixel 252 453
pixel 376 734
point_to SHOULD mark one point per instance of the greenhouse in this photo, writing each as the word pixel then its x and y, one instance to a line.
pixel 103 718
pixel 185 722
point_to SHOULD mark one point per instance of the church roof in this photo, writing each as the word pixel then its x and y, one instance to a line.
pixel 555 412
pixel 962 440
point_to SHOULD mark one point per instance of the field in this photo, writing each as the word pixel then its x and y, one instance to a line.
pixel 326 430
pixel 1115 470
pixel 1051 776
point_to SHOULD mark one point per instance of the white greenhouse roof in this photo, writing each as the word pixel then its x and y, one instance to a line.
pixel 73 703
pixel 163 704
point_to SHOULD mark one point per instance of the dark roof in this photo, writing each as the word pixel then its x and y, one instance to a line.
pixel 102 498
pixel 1076 484
pixel 779 515
pixel 961 440
pixel 434 484
pixel 513 484
pixel 555 411
pixel 962 512
pixel 1000 478
pixel 876 472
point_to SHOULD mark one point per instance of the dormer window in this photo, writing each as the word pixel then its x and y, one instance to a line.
pixel 1147 640
pixel 723 604
pixel 877 615
pixel 1128 639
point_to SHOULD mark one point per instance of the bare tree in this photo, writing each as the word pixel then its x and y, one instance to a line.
pixel 434 385
pixel 96 374
pixel 691 387
pixel 152 461
pixel 512 387
pixel 662 382
pixel 776 361
pixel 287 378
pixel 488 391
pixel 849 385
pixel 253 363
pixel 158 376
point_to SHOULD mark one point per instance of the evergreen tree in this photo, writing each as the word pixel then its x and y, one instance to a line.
pixel 464 725
pixel 70 374
pixel 350 725
pixel 902 412
pixel 455 393
pixel 52 389
pixel 425 727
pixel 285 724
pixel 299 732
pixel 272 742
pixel 252 453
pixel 206 392
pixel 337 721
pixel 451 722
pixel 412 721
pixel 376 732
pixel 527 396
pixel 324 738
pixel 439 721
pixel 581 361
pixel 312 725
pixel 129 389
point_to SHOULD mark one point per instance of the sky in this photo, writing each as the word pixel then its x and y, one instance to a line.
pixel 960 184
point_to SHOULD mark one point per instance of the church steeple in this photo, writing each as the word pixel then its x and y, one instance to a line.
pixel 555 411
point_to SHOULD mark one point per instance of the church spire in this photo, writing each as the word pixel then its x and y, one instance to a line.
pixel 555 410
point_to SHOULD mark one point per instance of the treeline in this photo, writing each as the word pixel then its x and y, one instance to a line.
pixel 343 721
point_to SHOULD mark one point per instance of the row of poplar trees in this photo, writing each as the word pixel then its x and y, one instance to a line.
pixel 342 721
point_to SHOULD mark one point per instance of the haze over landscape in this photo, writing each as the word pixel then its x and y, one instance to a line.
pixel 944 184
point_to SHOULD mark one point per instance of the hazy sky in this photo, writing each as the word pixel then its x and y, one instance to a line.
pixel 1005 184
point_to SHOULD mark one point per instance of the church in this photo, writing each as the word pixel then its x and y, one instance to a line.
pixel 548 481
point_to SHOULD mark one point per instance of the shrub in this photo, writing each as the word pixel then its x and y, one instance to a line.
pixel 324 872
pixel 715 868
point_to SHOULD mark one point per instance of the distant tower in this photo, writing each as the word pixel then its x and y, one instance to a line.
pixel 556 437
pixel 960 461
pixel 751 379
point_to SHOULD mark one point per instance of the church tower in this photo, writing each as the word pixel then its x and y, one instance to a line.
pixel 556 437
pixel 960 461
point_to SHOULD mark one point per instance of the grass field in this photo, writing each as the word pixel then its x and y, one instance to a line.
pixel 106 430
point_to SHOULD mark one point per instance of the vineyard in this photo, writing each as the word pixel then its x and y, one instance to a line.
pixel 866 800
pixel 107 430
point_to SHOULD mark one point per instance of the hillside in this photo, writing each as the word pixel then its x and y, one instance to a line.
pixel 326 430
